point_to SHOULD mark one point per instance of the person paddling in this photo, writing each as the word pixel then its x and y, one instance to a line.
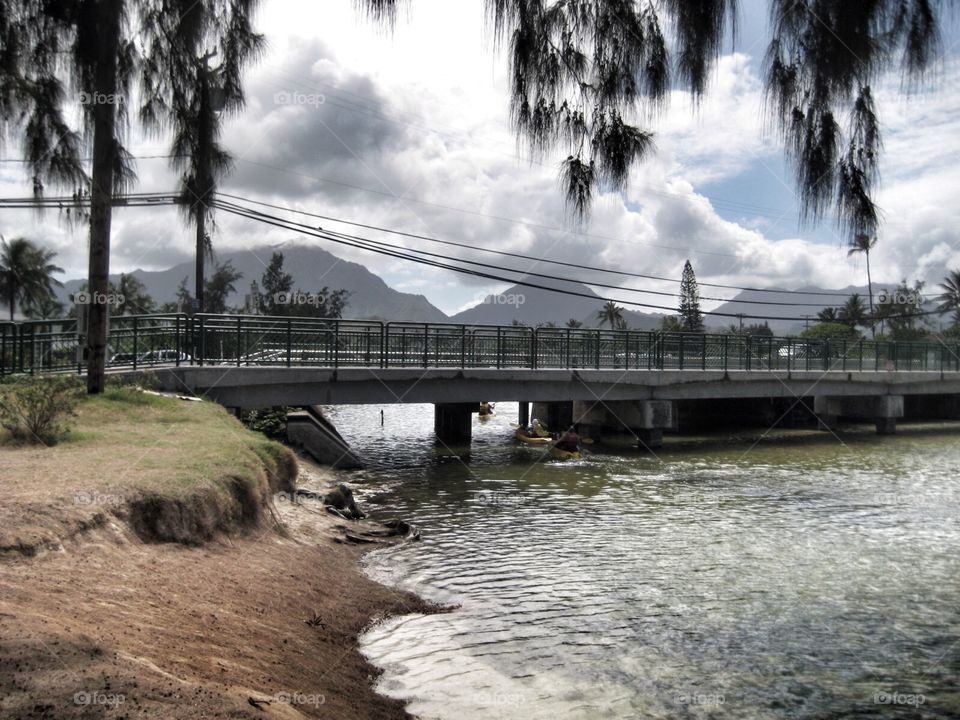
pixel 569 441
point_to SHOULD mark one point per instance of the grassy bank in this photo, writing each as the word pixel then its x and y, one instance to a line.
pixel 174 470
pixel 102 616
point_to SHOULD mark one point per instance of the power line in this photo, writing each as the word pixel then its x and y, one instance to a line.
pixel 363 244
pixel 526 273
pixel 535 259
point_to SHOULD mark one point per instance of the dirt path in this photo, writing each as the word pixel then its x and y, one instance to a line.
pixel 113 627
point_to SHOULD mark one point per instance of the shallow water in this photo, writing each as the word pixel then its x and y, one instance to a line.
pixel 810 578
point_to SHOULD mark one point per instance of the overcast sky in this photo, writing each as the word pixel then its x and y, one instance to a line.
pixel 410 130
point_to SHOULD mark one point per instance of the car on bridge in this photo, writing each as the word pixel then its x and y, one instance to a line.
pixel 162 357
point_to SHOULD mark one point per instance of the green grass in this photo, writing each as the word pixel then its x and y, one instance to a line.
pixel 185 457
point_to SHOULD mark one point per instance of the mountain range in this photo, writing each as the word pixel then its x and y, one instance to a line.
pixel 371 298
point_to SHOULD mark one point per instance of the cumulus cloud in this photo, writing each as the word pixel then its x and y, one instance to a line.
pixel 399 133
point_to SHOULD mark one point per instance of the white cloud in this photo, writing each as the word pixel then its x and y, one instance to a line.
pixel 422 114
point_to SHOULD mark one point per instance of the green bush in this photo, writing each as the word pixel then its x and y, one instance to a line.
pixel 35 409
pixel 272 422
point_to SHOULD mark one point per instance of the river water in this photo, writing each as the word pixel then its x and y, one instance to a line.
pixel 807 577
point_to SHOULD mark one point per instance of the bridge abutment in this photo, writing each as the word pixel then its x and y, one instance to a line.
pixel 453 422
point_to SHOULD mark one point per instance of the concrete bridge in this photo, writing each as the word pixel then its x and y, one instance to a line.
pixel 601 380
pixel 643 402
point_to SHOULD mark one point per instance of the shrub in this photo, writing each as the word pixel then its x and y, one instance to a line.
pixel 272 422
pixel 35 409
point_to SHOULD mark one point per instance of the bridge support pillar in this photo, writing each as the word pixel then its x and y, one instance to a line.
pixel 882 409
pixel 523 415
pixel 453 422
pixel 558 416
pixel 646 419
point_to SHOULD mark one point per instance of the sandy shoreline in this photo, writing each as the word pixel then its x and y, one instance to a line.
pixel 260 625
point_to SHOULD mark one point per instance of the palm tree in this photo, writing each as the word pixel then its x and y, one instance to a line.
pixel 26 274
pixel 853 312
pixel 136 299
pixel 46 308
pixel 828 315
pixel 612 314
pixel 574 323
pixel 950 297
pixel 863 243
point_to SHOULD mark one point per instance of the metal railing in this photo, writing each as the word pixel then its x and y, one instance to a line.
pixel 244 340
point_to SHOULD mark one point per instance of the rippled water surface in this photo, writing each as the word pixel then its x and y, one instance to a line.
pixel 799 579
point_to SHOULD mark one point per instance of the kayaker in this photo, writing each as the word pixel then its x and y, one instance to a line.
pixel 569 441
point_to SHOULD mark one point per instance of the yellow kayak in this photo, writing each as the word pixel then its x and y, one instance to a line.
pixel 559 454
pixel 531 440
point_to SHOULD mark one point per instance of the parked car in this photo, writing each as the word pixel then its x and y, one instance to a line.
pixel 156 357
pixel 123 358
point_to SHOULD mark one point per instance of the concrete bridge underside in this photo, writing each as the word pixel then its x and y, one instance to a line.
pixel 644 402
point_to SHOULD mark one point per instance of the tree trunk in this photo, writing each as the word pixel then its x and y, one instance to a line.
pixel 101 191
pixel 203 178
pixel 201 250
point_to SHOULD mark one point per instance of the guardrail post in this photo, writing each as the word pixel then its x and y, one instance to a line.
pixel 499 347
pixel 704 354
pixel 239 338
pixel 726 347
pixel 136 342
pixel 598 350
pixel 426 344
pixel 384 354
pixel 566 353
pixel 289 342
pixel 336 343
pixel 534 347
pixel 682 338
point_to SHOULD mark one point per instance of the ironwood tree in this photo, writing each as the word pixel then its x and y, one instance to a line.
pixel 691 317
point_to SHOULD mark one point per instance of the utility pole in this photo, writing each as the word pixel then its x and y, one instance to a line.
pixel 741 322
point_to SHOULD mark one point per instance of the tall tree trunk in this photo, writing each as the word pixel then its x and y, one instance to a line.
pixel 201 249
pixel 203 181
pixel 101 191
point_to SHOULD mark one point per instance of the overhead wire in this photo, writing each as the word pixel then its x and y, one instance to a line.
pixel 521 256
pixel 530 273
pixel 363 244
